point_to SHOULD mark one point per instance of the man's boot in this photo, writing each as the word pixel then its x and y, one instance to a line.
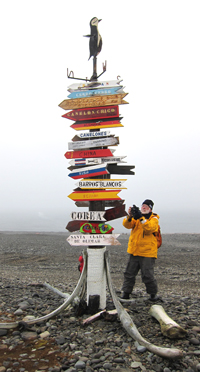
pixel 125 296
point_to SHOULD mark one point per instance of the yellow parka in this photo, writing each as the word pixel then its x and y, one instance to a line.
pixel 142 241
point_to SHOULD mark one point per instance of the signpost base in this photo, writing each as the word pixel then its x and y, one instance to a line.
pixel 96 275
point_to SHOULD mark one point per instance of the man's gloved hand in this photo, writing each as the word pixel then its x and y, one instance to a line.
pixel 136 213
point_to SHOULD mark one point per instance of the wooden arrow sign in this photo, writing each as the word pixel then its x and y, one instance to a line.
pixel 89 153
pixel 93 239
pixel 93 113
pixel 108 141
pixel 120 169
pixel 95 228
pixel 93 171
pixel 94 195
pixel 88 216
pixel 114 213
pixel 101 124
pixel 92 161
pixel 97 101
pixel 94 84
pixel 89 135
pixel 107 203
pixel 95 92
pixel 101 184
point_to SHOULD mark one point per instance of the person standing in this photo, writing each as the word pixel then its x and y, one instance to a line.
pixel 142 248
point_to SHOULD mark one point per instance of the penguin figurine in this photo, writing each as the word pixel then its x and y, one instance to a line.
pixel 95 43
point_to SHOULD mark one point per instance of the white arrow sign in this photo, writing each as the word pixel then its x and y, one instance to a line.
pixel 93 239
pixel 93 161
pixel 88 216
pixel 100 142
pixel 101 184
pixel 101 133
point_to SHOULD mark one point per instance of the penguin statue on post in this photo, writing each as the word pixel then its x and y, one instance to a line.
pixel 95 43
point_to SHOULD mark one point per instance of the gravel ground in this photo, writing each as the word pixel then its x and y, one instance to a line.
pixel 63 343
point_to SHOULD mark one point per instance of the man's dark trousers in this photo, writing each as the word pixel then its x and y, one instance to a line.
pixel 146 265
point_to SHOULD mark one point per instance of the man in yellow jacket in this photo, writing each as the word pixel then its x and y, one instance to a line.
pixel 142 248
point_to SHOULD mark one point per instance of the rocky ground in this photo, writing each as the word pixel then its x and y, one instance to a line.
pixel 63 343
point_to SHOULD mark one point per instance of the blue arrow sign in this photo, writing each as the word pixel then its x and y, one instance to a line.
pixel 95 92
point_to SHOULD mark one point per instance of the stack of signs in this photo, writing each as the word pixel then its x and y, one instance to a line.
pixel 94 108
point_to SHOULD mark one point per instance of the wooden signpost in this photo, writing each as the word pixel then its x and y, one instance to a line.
pixel 93 161
pixel 97 101
pixel 95 228
pixel 93 239
pixel 88 216
pixel 87 135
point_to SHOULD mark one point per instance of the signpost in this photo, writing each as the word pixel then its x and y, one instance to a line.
pixel 93 106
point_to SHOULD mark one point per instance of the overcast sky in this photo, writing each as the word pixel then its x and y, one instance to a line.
pixel 154 47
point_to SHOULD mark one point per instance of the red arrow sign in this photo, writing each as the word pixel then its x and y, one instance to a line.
pixel 88 153
pixel 113 213
pixel 93 113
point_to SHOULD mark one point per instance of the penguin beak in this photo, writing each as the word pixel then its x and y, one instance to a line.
pixel 99 20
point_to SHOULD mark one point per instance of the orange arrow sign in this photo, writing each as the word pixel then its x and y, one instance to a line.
pixel 96 101
pixel 95 195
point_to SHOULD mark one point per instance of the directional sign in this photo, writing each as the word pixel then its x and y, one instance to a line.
pixel 95 92
pixel 120 169
pixel 101 184
pixel 92 161
pixel 97 101
pixel 93 113
pixel 107 203
pixel 117 212
pixel 93 239
pixel 93 171
pixel 88 216
pixel 94 195
pixel 95 228
pixel 94 84
pixel 88 153
pixel 85 135
pixel 108 141
pixel 97 124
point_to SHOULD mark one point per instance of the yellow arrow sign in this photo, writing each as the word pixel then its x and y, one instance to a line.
pixel 95 195
pixel 96 101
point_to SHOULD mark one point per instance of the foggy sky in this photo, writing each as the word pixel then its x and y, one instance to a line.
pixel 154 47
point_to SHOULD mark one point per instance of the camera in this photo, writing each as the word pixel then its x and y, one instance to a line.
pixel 134 209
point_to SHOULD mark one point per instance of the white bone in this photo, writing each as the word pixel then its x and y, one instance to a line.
pixel 169 327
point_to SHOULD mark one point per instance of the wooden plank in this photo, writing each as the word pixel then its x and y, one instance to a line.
pixel 93 161
pixel 120 169
pixel 94 195
pixel 97 101
pixel 116 212
pixel 93 84
pixel 92 171
pixel 89 153
pixel 107 203
pixel 95 228
pixel 88 216
pixel 96 124
pixel 93 239
pixel 101 184
pixel 87 135
pixel 95 92
pixel 108 141
pixel 93 113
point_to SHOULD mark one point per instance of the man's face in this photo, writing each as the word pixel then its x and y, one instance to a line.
pixel 145 209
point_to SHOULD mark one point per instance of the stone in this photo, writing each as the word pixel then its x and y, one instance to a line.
pixel 44 334
pixel 80 364
pixel 27 336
